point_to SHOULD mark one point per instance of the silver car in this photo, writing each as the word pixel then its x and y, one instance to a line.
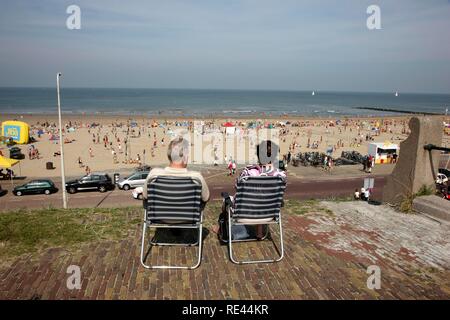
pixel 137 179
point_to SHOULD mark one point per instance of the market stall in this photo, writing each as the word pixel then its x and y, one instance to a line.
pixel 383 152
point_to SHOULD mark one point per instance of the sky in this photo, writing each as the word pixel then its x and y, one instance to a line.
pixel 212 44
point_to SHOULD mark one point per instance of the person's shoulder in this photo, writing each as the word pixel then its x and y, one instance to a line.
pixel 156 171
pixel 195 174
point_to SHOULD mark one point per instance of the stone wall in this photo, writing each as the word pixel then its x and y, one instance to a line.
pixel 416 166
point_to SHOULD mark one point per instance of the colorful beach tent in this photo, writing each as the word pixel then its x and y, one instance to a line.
pixel 17 130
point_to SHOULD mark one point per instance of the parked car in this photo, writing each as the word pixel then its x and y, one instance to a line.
pixel 441 178
pixel 144 167
pixel 35 187
pixel 137 179
pixel 16 153
pixel 446 172
pixel 138 193
pixel 94 181
pixel 2 192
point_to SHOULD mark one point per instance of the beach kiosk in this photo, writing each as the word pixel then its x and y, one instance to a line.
pixel 229 128
pixel 17 130
pixel 382 151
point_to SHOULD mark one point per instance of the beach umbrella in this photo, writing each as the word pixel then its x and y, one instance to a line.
pixel 228 124
pixel 8 163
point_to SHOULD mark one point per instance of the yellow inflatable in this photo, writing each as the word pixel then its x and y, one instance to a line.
pixel 17 130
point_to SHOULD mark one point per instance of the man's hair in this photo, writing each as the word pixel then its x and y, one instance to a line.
pixel 178 150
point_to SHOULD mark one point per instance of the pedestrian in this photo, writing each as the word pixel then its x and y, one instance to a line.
pixel 233 167
pixel 230 168
pixel 394 158
pixel 362 194
pixel 356 195
pixel 367 194
pixel 90 152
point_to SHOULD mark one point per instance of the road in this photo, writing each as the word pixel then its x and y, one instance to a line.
pixel 296 189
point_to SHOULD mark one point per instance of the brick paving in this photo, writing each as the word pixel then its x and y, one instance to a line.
pixel 327 256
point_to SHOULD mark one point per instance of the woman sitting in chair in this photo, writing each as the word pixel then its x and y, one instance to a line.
pixel 265 167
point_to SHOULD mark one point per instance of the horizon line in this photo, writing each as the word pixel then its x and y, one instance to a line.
pixel 226 89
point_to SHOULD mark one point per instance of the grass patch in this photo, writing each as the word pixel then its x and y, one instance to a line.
pixel 407 203
pixel 29 231
pixel 32 231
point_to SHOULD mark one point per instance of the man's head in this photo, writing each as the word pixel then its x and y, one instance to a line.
pixel 178 152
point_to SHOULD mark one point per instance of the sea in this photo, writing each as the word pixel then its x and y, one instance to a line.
pixel 228 103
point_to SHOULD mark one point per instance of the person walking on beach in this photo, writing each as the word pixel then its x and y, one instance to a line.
pixel 364 163
pixel 90 152
pixel 394 158
pixel 230 168
pixel 369 164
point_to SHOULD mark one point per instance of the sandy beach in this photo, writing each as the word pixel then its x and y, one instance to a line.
pixel 94 139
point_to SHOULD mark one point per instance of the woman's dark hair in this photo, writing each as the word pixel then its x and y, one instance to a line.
pixel 267 152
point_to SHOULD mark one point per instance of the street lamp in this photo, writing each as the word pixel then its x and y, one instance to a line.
pixel 61 144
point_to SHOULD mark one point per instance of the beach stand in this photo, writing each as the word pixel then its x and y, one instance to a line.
pixel 9 163
pixel 381 150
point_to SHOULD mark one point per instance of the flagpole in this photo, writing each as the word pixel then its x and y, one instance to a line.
pixel 61 144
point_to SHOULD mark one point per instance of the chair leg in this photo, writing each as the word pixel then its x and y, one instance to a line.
pixel 199 259
pixel 144 231
pixel 230 247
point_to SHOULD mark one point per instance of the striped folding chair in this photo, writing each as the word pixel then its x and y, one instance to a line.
pixel 258 201
pixel 173 202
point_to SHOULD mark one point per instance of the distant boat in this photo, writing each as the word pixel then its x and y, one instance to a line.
pixel 313 93
pixel 396 93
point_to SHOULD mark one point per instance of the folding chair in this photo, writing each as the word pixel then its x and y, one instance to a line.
pixel 258 201
pixel 173 202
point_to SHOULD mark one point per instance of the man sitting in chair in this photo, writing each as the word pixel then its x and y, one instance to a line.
pixel 178 153
pixel 267 153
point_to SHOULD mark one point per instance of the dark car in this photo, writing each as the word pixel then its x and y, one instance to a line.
pixel 444 171
pixel 16 153
pixel 35 187
pixel 94 181
pixel 2 192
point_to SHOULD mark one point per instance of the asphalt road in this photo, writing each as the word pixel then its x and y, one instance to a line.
pixel 296 189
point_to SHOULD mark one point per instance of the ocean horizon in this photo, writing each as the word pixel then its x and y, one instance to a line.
pixel 219 102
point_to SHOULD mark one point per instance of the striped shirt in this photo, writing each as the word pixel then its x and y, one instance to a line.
pixel 177 172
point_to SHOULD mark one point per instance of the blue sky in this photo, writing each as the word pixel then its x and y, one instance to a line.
pixel 248 44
